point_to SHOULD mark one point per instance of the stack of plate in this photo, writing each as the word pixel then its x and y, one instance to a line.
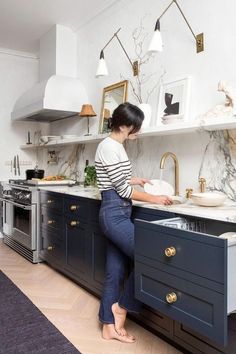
pixel 172 119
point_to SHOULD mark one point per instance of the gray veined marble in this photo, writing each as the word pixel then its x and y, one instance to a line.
pixel 219 163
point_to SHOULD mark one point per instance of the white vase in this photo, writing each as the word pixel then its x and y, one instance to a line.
pixel 147 110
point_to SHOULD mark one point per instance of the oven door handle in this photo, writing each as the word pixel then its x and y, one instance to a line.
pixel 22 206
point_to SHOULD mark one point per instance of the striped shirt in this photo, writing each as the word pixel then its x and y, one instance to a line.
pixel 113 168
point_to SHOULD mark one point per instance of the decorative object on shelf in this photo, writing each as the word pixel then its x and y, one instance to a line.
pixel 147 110
pixel 112 97
pixel 87 111
pixel 173 103
pixel 102 67
pixel 144 85
pixel 156 44
pixel 28 142
pixel 228 109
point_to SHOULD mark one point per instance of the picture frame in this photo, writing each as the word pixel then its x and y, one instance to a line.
pixel 174 101
pixel 112 97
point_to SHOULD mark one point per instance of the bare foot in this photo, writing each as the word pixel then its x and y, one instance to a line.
pixel 109 332
pixel 120 317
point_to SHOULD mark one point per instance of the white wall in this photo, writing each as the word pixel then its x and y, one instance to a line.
pixel 179 59
pixel 17 74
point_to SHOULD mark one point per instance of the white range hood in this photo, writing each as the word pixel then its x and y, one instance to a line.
pixel 59 94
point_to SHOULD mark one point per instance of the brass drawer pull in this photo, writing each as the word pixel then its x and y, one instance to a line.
pixel 74 207
pixel 74 223
pixel 49 201
pixel 171 298
pixel 170 251
pixel 50 222
pixel 50 248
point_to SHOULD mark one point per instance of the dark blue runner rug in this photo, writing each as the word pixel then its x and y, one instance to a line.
pixel 23 328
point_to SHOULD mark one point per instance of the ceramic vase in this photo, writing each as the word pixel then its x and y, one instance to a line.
pixel 147 110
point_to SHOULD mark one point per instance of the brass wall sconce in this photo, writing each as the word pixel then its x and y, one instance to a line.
pixel 102 67
pixel 156 42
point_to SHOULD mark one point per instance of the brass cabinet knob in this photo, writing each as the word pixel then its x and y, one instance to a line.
pixel 49 201
pixel 74 207
pixel 74 223
pixel 170 251
pixel 50 248
pixel 50 222
pixel 171 298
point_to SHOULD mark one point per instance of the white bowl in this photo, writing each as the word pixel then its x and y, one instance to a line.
pixel 158 187
pixel 208 199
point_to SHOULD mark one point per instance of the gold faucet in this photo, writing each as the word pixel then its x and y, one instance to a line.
pixel 202 183
pixel 174 157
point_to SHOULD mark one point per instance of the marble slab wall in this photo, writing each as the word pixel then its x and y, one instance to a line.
pixel 211 155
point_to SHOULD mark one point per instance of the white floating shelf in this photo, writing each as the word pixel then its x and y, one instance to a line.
pixel 170 129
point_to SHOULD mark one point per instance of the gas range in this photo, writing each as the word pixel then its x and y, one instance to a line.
pixel 23 235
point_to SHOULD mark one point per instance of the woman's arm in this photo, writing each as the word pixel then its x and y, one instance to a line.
pixel 146 197
pixel 137 181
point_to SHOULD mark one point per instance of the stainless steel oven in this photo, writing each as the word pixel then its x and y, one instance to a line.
pixel 24 228
pixel 22 225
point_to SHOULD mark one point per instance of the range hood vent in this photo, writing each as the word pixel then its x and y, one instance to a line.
pixel 57 98
pixel 58 94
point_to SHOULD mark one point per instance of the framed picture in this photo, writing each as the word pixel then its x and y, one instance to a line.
pixel 112 97
pixel 173 102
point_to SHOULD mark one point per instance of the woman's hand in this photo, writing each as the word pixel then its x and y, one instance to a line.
pixel 139 181
pixel 161 199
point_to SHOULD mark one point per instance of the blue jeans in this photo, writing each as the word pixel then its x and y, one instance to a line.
pixel 115 222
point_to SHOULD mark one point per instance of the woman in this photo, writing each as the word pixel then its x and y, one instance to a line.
pixel 113 170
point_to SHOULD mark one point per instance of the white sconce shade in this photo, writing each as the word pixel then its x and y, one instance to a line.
pixel 156 44
pixel 102 66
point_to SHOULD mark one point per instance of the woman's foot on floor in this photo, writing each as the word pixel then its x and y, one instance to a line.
pixel 109 332
pixel 120 316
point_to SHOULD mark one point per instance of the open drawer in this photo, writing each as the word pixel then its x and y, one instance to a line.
pixel 185 258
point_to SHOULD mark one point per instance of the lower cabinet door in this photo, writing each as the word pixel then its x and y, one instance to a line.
pixel 78 247
pixel 52 248
pixel 199 308
pixel 99 243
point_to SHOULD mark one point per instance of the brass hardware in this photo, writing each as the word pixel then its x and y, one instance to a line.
pixel 174 157
pixel 50 222
pixel 199 38
pixel 189 192
pixel 74 223
pixel 200 42
pixel 135 65
pixel 170 251
pixel 49 201
pixel 171 298
pixel 202 183
pixel 50 248
pixel 74 207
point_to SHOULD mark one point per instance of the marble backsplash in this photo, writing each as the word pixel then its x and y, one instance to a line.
pixel 211 155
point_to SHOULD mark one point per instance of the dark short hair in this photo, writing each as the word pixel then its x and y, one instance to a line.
pixel 127 114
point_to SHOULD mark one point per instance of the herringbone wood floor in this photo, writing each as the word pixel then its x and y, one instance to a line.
pixel 73 310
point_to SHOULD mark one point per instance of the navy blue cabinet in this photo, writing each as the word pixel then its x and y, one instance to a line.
pixel 52 242
pixel 186 267
pixel 183 273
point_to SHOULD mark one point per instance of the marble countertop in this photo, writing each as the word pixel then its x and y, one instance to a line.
pixel 225 212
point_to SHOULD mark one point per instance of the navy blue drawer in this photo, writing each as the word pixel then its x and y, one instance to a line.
pixel 77 207
pixel 52 221
pixel 197 307
pixel 52 201
pixel 196 253
pixel 52 249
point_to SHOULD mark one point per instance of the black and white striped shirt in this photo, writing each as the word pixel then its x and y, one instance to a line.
pixel 113 168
